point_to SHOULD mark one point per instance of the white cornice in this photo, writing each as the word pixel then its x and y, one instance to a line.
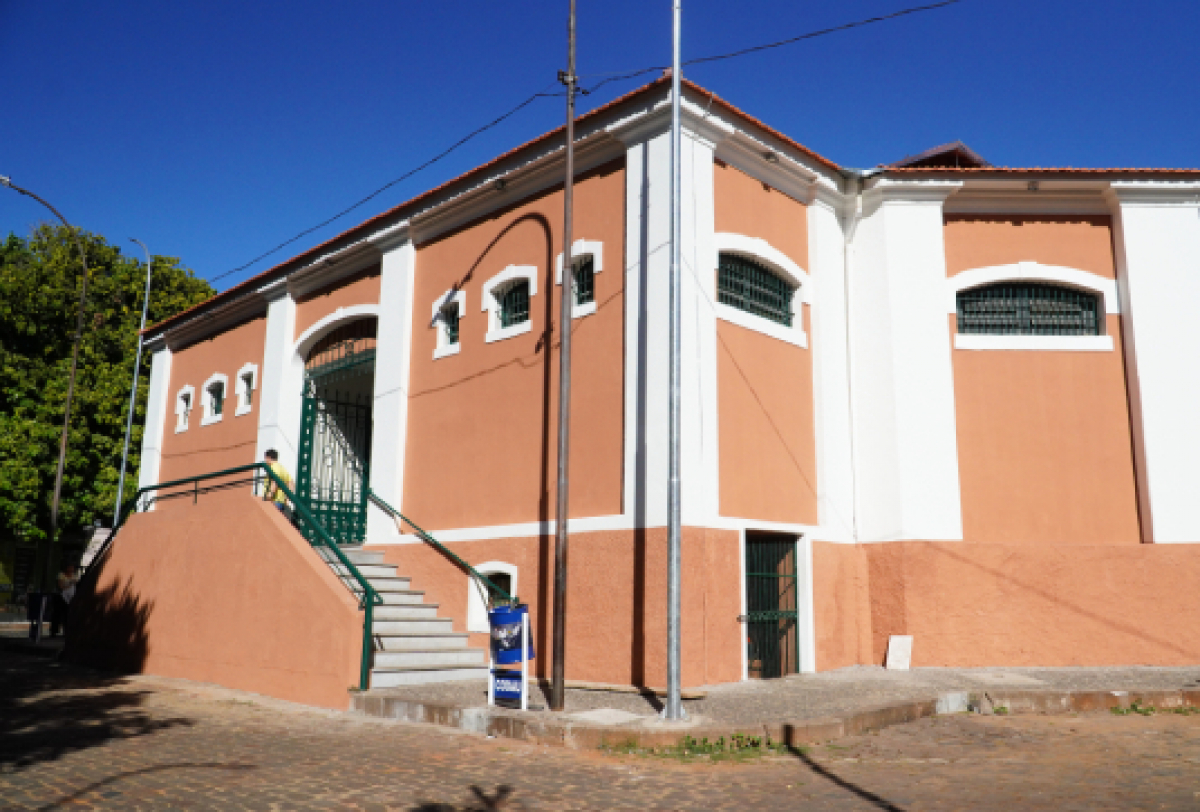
pixel 1153 193
pixel 198 328
pixel 330 268
pixel 887 190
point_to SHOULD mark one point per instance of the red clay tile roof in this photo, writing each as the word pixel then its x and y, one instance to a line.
pixel 953 154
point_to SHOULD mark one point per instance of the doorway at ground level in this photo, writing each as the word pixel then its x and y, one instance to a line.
pixel 772 602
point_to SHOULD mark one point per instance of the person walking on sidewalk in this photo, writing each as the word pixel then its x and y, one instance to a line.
pixel 67 580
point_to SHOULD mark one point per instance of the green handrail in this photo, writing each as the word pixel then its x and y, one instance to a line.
pixel 421 534
pixel 369 598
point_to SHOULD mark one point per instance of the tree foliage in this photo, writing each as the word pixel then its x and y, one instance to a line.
pixel 39 298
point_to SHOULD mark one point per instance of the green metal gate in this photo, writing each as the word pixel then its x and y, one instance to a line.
pixel 333 471
pixel 772 601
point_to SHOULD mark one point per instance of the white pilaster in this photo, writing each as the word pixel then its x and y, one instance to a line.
pixel 903 380
pixel 279 406
pixel 157 406
pixel 831 380
pixel 393 355
pixel 1157 240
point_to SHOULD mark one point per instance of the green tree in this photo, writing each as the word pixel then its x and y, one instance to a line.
pixel 39 296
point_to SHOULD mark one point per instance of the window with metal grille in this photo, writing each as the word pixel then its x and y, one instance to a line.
pixel 449 317
pixel 514 303
pixel 585 281
pixel 749 286
pixel 1028 308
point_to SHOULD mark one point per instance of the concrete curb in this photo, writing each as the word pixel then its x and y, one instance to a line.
pixel 582 735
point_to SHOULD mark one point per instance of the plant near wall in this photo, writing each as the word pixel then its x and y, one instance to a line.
pixel 39 294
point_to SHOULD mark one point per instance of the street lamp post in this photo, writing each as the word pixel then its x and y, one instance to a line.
pixel 62 444
pixel 137 366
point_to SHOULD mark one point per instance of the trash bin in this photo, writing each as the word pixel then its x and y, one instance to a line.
pixel 505 622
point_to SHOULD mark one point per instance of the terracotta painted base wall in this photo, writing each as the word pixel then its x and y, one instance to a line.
pixel 976 605
pixel 617 598
pixel 225 591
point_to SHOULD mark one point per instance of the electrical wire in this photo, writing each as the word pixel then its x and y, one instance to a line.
pixel 386 186
pixel 617 77
pixel 767 46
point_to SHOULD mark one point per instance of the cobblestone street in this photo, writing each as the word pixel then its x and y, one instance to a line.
pixel 72 739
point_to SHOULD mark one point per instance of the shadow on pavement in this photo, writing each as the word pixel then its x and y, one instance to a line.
pixel 482 803
pixel 849 786
pixel 48 710
pixel 96 786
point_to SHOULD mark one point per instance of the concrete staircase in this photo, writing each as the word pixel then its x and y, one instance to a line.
pixel 412 644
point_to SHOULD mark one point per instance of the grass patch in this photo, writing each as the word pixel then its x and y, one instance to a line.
pixel 1150 710
pixel 737 747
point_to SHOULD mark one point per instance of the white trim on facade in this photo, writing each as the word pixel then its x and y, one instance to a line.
pixel 184 408
pixel 209 398
pixel 243 391
pixel 1036 272
pixel 444 347
pixel 763 252
pixel 491 305
pixel 975 341
pixel 343 314
pixel 156 413
pixel 278 401
pixel 477 615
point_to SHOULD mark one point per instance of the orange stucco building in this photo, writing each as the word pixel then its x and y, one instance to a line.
pixel 938 398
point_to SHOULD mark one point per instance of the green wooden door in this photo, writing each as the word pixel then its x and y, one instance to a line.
pixel 334 465
pixel 772 619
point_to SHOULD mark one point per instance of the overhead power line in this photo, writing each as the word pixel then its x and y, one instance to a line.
pixel 617 77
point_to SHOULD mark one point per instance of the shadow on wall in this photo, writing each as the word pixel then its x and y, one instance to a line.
pixel 107 628
pixel 48 712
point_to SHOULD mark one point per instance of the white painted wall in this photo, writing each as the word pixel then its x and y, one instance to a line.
pixel 157 414
pixel 1157 231
pixel 279 403
pixel 903 382
pixel 831 381
pixel 393 354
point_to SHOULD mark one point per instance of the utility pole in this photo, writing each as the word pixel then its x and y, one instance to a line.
pixel 674 706
pixel 137 365
pixel 62 444
pixel 561 517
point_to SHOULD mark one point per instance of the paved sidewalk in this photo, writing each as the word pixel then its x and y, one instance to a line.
pixel 75 739
pixel 827 694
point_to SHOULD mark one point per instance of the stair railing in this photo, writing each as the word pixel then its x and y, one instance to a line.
pixel 428 539
pixel 368 598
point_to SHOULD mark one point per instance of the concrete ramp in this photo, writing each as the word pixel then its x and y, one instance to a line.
pixel 223 590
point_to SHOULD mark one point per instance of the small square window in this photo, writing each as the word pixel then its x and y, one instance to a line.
pixel 514 303
pixel 585 281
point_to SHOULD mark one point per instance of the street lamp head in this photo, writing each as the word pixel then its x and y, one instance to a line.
pixel 5 180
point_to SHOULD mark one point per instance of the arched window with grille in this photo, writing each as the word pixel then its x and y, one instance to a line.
pixel 754 288
pixel 507 300
pixel 1028 308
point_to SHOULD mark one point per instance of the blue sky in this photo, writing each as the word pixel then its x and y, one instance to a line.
pixel 214 130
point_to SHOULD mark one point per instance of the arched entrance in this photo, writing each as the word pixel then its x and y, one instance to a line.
pixel 333 469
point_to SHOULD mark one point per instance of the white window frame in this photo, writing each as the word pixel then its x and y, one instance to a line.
pixel 183 413
pixel 1106 289
pixel 581 249
pixel 491 304
pixel 477 616
pixel 444 347
pixel 243 391
pixel 206 398
pixel 776 261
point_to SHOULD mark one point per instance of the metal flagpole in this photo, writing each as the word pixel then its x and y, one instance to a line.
pixel 674 707
pixel 137 365
pixel 561 519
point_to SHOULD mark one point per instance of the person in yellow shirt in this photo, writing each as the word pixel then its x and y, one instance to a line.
pixel 271 491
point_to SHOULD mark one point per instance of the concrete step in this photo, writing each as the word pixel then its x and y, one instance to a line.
pixel 405 611
pixel 401 597
pixel 388 660
pixel 393 584
pixel 420 641
pixel 394 627
pixel 368 571
pixel 356 555
pixel 394 678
